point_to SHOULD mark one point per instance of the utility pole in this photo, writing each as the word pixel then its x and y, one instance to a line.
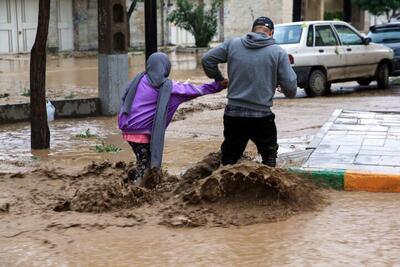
pixel 113 54
pixel 150 11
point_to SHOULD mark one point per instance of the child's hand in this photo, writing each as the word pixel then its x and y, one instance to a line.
pixel 224 83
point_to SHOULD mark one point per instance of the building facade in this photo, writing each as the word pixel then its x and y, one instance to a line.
pixel 18 22
pixel 73 23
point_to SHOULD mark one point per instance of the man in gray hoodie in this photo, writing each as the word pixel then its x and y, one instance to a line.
pixel 256 66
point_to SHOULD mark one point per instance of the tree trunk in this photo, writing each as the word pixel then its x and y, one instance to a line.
pixel 40 134
pixel 131 9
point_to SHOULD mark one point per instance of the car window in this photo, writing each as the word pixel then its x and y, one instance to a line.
pixel 324 36
pixel 310 36
pixel 290 34
pixel 348 36
pixel 385 35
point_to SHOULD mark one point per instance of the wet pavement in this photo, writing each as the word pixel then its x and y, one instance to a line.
pixel 363 141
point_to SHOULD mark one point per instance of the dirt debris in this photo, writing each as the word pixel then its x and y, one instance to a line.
pixel 206 194
pixel 4 206
pixel 253 181
pixel 183 112
pixel 105 197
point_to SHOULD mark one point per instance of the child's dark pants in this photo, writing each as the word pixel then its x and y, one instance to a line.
pixel 239 130
pixel 143 157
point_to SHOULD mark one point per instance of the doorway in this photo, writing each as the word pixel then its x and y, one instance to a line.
pixel 18 24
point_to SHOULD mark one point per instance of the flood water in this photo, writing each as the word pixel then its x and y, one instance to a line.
pixel 69 149
pixel 357 229
pixel 79 75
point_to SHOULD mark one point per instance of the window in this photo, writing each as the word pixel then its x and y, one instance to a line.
pixel 288 34
pixel 118 13
pixel 385 35
pixel 119 42
pixel 310 36
pixel 324 36
pixel 348 36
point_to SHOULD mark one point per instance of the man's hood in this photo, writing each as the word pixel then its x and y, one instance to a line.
pixel 255 40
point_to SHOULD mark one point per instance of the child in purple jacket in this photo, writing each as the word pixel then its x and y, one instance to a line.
pixel 149 104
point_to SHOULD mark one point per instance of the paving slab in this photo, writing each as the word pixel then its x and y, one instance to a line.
pixel 363 145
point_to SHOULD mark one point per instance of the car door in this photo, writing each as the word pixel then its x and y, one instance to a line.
pixel 360 62
pixel 328 51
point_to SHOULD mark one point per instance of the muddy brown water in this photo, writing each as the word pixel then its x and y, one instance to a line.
pixel 355 230
pixel 73 77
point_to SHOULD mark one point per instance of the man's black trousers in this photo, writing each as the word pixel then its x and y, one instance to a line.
pixel 239 130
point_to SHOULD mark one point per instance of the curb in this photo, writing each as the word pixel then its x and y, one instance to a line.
pixel 71 108
pixel 348 180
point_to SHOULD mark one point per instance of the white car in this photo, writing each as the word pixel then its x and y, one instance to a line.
pixel 325 52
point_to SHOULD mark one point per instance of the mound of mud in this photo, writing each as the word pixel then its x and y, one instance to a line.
pixel 106 197
pixel 183 112
pixel 206 194
pixel 253 182
pixel 241 194
pixel 103 187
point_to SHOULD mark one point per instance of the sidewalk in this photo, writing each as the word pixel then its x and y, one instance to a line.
pixel 357 151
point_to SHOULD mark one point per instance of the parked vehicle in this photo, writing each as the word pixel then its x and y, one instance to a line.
pixel 389 35
pixel 325 52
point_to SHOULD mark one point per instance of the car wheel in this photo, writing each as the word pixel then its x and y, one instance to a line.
pixel 317 84
pixel 364 82
pixel 382 76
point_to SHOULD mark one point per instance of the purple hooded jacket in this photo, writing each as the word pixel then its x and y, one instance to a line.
pixel 140 119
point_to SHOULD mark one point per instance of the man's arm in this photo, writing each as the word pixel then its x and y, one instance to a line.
pixel 211 60
pixel 287 78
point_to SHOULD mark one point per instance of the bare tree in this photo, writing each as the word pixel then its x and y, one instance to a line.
pixel 131 9
pixel 40 133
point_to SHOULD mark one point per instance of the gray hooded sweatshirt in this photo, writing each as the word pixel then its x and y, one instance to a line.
pixel 255 66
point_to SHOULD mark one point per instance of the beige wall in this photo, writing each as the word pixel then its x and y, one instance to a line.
pixel 240 14
pixel 314 9
pixel 333 5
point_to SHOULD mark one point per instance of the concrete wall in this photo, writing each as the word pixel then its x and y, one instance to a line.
pixel 137 29
pixel 239 15
pixel 314 9
pixel 333 5
pixel 64 109
pixel 85 24
pixel 86 31
pixel 52 38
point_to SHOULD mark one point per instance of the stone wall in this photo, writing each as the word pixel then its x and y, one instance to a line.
pixel 74 108
pixel 52 37
pixel 85 24
pixel 86 31
pixel 137 29
pixel 239 15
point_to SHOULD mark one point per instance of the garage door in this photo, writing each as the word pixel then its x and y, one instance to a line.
pixel 8 27
pixel 18 24
pixel 27 17
pixel 65 25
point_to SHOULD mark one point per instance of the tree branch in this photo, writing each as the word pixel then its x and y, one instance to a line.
pixel 131 9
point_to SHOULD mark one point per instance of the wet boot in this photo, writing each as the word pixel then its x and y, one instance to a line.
pixel 270 162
